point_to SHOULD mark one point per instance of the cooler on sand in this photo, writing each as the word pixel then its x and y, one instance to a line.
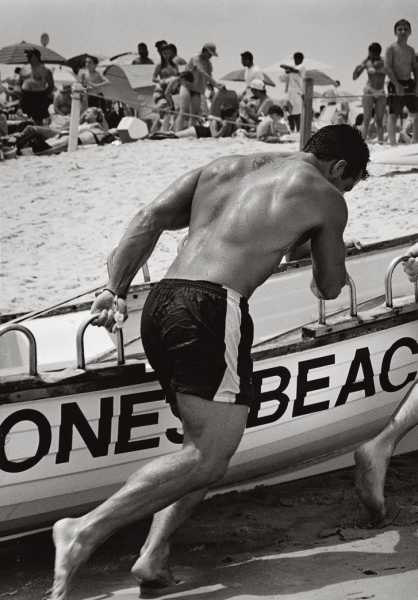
pixel 131 129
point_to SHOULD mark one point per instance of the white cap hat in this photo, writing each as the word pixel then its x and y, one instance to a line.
pixel 257 84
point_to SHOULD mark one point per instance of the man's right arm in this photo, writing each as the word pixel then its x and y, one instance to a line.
pixel 328 256
pixel 170 211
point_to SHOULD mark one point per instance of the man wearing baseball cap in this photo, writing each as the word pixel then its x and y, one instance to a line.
pixel 254 104
pixel 190 99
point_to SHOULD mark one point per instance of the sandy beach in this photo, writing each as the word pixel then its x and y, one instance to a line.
pixel 305 540
pixel 61 215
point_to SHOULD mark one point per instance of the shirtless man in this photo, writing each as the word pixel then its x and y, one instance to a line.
pixel 38 88
pixel 374 91
pixel 372 458
pixel 243 214
pixel 400 63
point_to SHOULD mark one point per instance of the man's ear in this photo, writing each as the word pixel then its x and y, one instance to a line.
pixel 337 168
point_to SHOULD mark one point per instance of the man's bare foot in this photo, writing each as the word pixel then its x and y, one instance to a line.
pixel 372 460
pixel 151 570
pixel 69 554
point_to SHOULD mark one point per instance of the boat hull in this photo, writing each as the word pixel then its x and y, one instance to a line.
pixel 64 447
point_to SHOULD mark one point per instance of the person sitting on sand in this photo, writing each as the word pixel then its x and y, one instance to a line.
pixel 254 105
pixel 219 127
pixel 92 129
pixel 374 97
pixel 272 126
pixel 37 88
pixel 373 457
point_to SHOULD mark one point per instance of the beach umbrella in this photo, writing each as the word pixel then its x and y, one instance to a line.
pixel 125 58
pixel 78 61
pixel 239 75
pixel 276 69
pixel 15 54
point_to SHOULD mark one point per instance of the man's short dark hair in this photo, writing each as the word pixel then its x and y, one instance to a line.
pixel 160 44
pixel 376 48
pixel 275 110
pixel 341 142
pixel 402 22
pixel 247 54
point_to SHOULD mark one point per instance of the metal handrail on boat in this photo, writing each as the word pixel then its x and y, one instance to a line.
pixel 33 357
pixel 388 280
pixel 353 302
pixel 81 359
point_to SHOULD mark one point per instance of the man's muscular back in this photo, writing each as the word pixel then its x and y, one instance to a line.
pixel 247 211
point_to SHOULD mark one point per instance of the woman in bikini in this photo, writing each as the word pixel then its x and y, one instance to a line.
pixel 374 91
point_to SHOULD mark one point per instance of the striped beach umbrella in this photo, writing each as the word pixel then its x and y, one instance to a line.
pixel 15 54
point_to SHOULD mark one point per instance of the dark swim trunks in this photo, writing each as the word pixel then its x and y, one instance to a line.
pixel 197 336
pixel 410 99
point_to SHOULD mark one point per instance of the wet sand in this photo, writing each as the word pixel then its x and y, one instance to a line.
pixel 303 540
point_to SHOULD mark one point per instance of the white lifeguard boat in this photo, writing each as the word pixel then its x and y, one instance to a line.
pixel 71 432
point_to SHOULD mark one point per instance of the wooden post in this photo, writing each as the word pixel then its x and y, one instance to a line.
pixel 77 88
pixel 307 112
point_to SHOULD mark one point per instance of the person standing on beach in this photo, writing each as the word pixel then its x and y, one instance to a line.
pixel 400 64
pixel 372 458
pixel 190 98
pixel 142 58
pixel 243 214
pixel 293 80
pixel 251 71
pixel 374 92
pixel 37 89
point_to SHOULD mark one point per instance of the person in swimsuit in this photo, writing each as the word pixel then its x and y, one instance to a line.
pixel 37 89
pixel 401 63
pixel 372 458
pixel 374 91
pixel 243 214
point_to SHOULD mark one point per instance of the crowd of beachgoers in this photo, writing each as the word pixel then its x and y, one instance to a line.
pixel 188 101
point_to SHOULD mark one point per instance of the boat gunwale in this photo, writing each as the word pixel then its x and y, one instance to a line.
pixel 15 389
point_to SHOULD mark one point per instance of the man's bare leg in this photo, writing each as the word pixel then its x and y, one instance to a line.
pixel 152 566
pixel 372 458
pixel 159 483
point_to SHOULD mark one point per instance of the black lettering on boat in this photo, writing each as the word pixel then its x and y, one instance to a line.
pixel 387 385
pixel 73 417
pixel 303 385
pixel 361 359
pixel 277 394
pixel 44 433
pixel 128 421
